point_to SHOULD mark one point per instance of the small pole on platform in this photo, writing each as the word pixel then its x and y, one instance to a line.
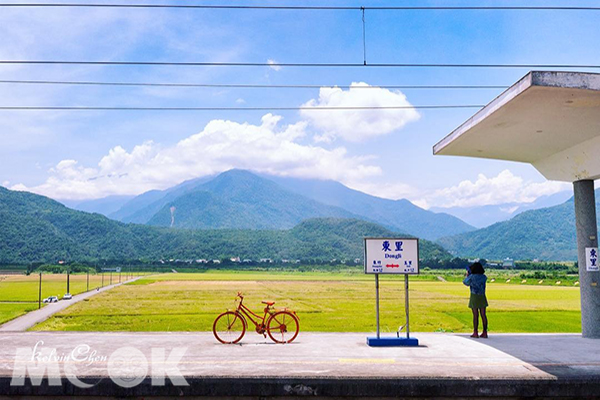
pixel 40 293
pixel 377 302
pixel 406 305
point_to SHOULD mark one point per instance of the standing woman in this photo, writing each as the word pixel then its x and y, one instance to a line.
pixel 478 302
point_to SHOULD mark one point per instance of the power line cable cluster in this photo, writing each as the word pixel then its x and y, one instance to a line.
pixel 304 7
pixel 362 9
pixel 304 65
pixel 316 108
pixel 245 86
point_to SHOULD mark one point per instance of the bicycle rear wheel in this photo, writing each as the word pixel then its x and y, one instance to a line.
pixel 283 327
pixel 229 327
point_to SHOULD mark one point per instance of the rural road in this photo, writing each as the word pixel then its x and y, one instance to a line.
pixel 32 318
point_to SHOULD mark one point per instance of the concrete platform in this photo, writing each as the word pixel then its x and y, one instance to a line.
pixel 318 364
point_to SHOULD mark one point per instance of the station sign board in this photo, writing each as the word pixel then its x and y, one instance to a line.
pixel 392 256
pixel 591 259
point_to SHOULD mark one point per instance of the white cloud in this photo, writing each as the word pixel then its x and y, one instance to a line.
pixel 5 183
pixel 240 101
pixel 504 188
pixel 272 66
pixel 358 125
pixel 222 145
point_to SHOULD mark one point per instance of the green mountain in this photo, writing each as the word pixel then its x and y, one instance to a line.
pixel 241 200
pixel 34 228
pixel 142 208
pixel 546 234
pixel 400 215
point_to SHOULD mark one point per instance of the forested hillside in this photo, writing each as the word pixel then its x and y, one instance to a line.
pixel 547 234
pixel 243 200
pixel 37 229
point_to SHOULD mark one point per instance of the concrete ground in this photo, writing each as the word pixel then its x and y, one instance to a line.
pixel 32 318
pixel 321 364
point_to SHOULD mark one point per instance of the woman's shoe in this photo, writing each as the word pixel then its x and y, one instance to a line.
pixel 476 335
pixel 484 335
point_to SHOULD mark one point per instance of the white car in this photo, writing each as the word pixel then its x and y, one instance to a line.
pixel 67 296
pixel 51 299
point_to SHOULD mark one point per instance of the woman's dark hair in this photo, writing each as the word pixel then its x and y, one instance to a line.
pixel 477 268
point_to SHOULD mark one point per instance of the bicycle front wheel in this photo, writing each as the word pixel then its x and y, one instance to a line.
pixel 229 327
pixel 283 327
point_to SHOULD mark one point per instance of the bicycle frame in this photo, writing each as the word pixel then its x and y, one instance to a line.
pixel 227 323
pixel 248 314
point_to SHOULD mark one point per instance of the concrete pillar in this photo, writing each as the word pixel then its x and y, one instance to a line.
pixel 587 236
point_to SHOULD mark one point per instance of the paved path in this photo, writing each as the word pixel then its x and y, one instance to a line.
pixel 32 318
pixel 339 364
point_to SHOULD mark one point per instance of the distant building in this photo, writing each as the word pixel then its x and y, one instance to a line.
pixel 266 260
pixel 201 261
pixel 246 260
pixel 235 259
pixel 508 262
pixel 216 261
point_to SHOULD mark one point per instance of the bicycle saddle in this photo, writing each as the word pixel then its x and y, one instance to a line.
pixel 269 303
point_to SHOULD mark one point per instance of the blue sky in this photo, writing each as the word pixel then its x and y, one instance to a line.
pixel 80 155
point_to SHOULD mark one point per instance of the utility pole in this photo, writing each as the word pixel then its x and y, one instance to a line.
pixel 40 293
pixel 68 279
pixel 88 281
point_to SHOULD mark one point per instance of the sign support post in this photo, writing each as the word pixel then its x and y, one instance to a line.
pixel 406 306
pixel 392 256
pixel 377 302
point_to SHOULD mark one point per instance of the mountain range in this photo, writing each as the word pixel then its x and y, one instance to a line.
pixel 547 233
pixel 483 216
pixel 34 228
pixel 239 199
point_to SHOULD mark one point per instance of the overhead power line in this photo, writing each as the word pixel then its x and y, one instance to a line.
pixel 245 86
pixel 318 7
pixel 278 64
pixel 86 108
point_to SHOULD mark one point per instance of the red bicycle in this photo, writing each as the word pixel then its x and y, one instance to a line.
pixel 282 326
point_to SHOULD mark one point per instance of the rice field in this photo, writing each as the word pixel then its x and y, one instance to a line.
pixel 324 301
pixel 19 293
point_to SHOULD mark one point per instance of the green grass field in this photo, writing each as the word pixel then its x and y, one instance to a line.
pixel 23 288
pixel 324 302
pixel 10 311
pixel 19 293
